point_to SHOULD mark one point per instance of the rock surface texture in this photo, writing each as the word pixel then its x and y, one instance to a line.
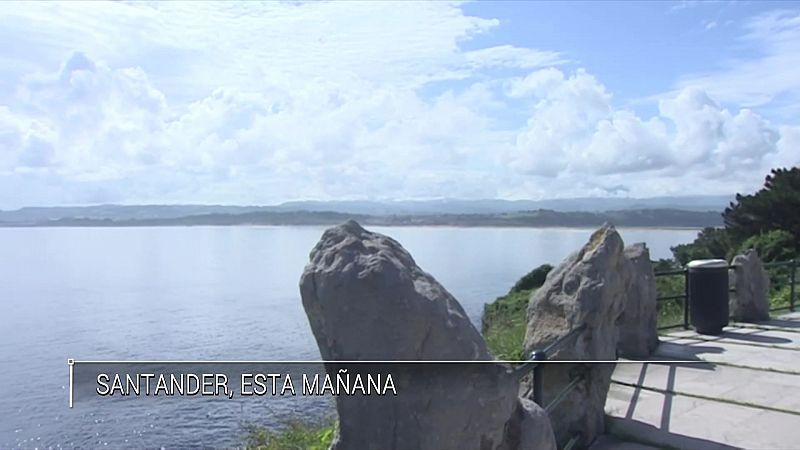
pixel 750 299
pixel 587 288
pixel 638 328
pixel 366 299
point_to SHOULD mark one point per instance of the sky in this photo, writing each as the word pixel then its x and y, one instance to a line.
pixel 260 103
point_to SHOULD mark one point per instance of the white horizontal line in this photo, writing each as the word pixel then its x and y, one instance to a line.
pixel 672 361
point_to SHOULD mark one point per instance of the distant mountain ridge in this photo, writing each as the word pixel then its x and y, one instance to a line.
pixel 371 208
pixel 457 206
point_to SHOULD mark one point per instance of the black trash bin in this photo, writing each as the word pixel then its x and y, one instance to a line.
pixel 708 295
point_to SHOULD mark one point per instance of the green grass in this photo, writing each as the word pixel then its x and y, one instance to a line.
pixel 669 312
pixel 779 296
pixel 504 322
pixel 297 435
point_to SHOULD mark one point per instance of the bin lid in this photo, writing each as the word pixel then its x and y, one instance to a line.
pixel 707 264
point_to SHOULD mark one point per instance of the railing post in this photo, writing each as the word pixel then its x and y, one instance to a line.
pixel 538 378
pixel 685 298
pixel 791 284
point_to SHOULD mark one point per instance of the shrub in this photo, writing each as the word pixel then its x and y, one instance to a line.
pixel 775 245
pixel 710 243
pixel 297 435
pixel 533 279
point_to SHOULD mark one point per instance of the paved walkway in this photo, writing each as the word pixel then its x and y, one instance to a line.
pixel 737 390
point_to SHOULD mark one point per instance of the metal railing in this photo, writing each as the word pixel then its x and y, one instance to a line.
pixel 792 282
pixel 684 272
pixel 535 364
pixel 537 358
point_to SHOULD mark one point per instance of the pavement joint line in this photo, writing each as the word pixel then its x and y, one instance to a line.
pixel 711 399
pixel 697 337
pixel 766 327
pixel 728 364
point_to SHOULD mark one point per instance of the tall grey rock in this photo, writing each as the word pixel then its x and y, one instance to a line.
pixel 534 425
pixel 638 328
pixel 750 300
pixel 366 299
pixel 587 288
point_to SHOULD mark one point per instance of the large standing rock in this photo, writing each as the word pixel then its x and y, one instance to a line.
pixel 587 288
pixel 638 328
pixel 750 299
pixel 536 431
pixel 366 299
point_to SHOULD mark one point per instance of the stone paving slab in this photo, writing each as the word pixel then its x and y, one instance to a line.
pixel 739 390
pixel 757 387
pixel 744 336
pixel 678 421
pixel 790 316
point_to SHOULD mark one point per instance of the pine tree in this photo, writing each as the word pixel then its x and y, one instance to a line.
pixel 775 207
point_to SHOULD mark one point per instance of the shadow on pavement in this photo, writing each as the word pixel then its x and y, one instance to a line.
pixel 662 438
pixel 687 352
pixel 783 323
pixel 754 337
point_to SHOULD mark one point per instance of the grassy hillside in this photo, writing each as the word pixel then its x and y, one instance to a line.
pixel 504 325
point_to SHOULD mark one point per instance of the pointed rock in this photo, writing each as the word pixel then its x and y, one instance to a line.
pixel 366 299
pixel 638 328
pixel 587 288
pixel 750 299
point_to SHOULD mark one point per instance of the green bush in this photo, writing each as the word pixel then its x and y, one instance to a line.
pixel 779 297
pixel 710 243
pixel 665 265
pixel 297 435
pixel 533 279
pixel 775 245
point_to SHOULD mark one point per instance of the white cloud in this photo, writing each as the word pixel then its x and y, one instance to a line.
pixel 89 120
pixel 510 56
pixel 575 129
pixel 307 140
pixel 788 147
pixel 27 143
pixel 245 43
pixel 261 103
pixel 111 131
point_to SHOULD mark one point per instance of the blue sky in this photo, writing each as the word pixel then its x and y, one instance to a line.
pixel 638 49
pixel 258 103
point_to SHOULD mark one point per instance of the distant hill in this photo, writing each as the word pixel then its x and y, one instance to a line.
pixel 31 215
pixel 537 218
pixel 456 206
pixel 120 212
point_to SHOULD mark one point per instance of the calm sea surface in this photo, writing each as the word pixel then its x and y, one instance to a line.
pixel 202 293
